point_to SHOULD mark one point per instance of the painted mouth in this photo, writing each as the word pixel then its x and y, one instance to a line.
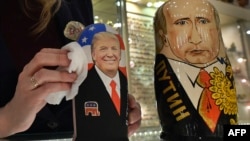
pixel 197 51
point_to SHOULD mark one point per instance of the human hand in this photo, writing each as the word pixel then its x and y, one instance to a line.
pixel 134 115
pixel 35 83
pixel 79 65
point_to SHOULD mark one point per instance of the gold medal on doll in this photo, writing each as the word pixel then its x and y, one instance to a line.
pixel 73 29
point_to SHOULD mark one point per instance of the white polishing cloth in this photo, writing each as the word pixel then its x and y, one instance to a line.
pixel 79 64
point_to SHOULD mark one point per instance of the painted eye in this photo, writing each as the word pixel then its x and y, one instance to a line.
pixel 203 21
pixel 115 48
pixel 181 22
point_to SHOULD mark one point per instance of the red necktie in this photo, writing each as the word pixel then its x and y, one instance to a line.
pixel 115 97
pixel 207 108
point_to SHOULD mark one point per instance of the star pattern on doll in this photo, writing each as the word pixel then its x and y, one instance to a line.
pixel 84 40
pixel 92 28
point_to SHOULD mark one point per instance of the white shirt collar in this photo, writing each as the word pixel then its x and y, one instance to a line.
pixel 182 69
pixel 106 80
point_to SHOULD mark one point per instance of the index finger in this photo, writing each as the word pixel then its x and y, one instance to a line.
pixel 47 57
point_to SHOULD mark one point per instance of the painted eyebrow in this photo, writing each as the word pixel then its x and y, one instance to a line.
pixel 202 18
pixel 101 47
pixel 183 19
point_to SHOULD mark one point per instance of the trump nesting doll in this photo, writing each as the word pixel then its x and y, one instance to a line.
pixel 100 107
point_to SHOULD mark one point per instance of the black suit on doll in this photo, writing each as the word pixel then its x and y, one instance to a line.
pixel 179 119
pixel 104 123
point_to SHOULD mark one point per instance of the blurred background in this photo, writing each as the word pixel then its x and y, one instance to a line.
pixel 134 19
